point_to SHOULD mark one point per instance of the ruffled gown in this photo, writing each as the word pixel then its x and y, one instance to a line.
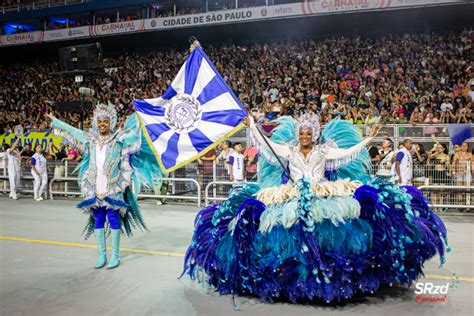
pixel 332 233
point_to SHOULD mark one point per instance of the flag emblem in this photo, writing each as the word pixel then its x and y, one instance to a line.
pixel 183 113
pixel 195 113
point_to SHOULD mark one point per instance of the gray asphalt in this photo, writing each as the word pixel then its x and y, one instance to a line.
pixel 45 279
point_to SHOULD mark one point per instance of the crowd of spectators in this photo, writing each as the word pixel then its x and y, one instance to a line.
pixel 394 79
pixel 436 162
pixel 434 166
pixel 9 5
pixel 251 3
pixel 230 4
pixel 413 79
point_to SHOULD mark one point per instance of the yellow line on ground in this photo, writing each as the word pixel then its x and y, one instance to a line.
pixel 447 277
pixel 70 244
pixel 171 254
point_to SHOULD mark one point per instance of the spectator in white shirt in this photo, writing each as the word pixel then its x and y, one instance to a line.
pixel 39 172
pixel 273 93
pixel 14 169
pixel 3 164
pixel 471 92
pixel 237 164
pixel 447 111
pixel 404 164
pixel 224 156
pixel 386 160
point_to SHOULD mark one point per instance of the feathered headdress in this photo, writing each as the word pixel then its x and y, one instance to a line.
pixel 309 121
pixel 102 112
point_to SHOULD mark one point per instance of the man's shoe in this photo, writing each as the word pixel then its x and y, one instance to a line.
pixel 115 243
pixel 102 259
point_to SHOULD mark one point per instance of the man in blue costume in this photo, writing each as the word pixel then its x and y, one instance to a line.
pixel 114 159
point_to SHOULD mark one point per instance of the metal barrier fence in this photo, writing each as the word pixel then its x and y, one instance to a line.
pixel 26 183
pixel 153 195
pixel 186 183
pixel 216 198
pixel 445 197
pixel 66 192
pixel 162 196
pixel 419 133
pixel 447 183
pixel 432 171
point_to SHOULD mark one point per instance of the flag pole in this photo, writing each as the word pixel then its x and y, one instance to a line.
pixel 273 152
pixel 194 43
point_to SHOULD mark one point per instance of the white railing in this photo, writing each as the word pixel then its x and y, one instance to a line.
pixel 447 184
pixel 66 192
pixel 419 133
pixel 196 197
pixel 216 198
pixel 452 199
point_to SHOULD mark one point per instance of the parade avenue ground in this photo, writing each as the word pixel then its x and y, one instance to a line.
pixel 46 268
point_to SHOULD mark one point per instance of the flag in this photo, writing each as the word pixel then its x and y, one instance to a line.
pixel 459 133
pixel 197 112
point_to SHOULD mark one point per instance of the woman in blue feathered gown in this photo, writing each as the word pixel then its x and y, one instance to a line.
pixel 332 231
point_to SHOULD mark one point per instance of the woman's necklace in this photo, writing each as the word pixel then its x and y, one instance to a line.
pixel 306 152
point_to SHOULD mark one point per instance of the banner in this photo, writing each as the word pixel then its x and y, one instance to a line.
pixel 334 6
pixel 33 138
pixel 23 38
pixel 65 34
pixel 223 17
pixel 117 28
pixel 309 8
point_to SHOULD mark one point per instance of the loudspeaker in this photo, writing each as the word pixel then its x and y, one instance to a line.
pixel 73 106
pixel 81 57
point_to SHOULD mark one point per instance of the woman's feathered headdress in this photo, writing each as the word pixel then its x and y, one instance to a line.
pixel 309 121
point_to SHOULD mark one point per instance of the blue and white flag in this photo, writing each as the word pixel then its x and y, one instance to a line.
pixel 459 133
pixel 197 112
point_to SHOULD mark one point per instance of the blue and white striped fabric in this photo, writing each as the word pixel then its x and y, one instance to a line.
pixel 195 113
pixel 459 133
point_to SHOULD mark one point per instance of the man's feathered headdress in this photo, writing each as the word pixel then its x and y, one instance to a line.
pixel 102 112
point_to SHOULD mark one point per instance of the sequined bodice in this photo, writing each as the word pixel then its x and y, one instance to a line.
pixel 310 167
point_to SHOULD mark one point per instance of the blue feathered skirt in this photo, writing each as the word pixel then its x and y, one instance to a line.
pixel 243 247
